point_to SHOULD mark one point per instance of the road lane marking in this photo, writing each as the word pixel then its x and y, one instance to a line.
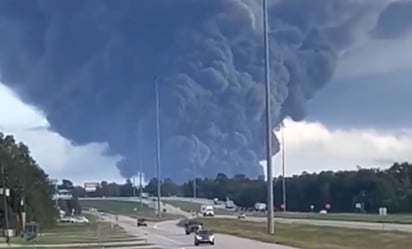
pixel 156 226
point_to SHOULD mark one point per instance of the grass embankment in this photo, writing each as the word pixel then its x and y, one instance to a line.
pixel 95 234
pixel 310 237
pixel 132 209
pixel 391 218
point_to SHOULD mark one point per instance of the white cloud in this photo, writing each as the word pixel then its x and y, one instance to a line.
pixel 312 147
pixel 55 154
pixel 376 57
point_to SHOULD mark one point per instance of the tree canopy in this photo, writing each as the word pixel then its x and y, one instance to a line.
pixel 371 188
pixel 28 183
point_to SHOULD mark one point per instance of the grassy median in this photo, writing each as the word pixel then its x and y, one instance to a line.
pixel 132 209
pixel 95 234
pixel 311 237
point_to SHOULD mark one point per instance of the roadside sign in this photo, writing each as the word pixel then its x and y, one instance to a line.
pixel 91 186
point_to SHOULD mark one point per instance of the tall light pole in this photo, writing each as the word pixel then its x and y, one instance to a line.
pixel 269 174
pixel 139 161
pixel 157 147
pixel 283 166
pixel 194 181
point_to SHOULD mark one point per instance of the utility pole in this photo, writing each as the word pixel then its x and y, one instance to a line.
pixel 158 148
pixel 139 144
pixel 134 187
pixel 194 181
pixel 270 197
pixel 23 200
pixel 283 166
pixel 5 193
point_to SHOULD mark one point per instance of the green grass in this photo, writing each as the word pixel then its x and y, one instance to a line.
pixel 311 237
pixel 93 232
pixel 184 205
pixel 128 208
pixel 391 218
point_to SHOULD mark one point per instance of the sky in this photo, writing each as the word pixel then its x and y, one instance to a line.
pixel 360 118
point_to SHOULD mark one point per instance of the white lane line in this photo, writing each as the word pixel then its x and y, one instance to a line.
pixel 156 226
pixel 168 239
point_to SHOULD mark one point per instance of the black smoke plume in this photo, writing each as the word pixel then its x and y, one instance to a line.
pixel 90 65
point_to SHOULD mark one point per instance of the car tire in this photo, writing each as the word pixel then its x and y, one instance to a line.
pixel 212 243
pixel 187 233
pixel 196 244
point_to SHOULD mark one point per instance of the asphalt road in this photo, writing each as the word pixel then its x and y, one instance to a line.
pixel 167 235
pixel 314 222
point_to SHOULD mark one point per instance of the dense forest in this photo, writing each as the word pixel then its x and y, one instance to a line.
pixel 30 189
pixel 370 188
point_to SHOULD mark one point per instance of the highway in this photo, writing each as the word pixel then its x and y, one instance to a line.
pixel 167 235
pixel 314 222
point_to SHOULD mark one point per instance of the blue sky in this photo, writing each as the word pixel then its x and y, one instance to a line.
pixel 361 117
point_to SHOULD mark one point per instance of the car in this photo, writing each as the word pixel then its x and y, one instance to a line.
pixel 192 227
pixel 204 237
pixel 141 222
pixel 241 216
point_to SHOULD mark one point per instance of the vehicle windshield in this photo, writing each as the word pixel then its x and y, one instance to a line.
pixel 204 232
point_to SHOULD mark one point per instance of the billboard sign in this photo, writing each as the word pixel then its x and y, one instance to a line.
pixel 91 186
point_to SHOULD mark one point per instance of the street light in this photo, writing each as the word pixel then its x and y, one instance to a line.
pixel 157 147
pixel 194 181
pixel 139 159
pixel 282 126
pixel 270 213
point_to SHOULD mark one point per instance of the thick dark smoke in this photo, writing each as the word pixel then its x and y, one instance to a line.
pixel 90 65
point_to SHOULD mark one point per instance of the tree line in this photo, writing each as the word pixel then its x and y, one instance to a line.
pixel 361 190
pixel 29 192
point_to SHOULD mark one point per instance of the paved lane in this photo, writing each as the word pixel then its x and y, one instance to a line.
pixel 168 236
pixel 314 222
pixel 169 230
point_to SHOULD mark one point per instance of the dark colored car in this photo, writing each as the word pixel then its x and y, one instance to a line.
pixel 192 227
pixel 241 216
pixel 141 222
pixel 204 237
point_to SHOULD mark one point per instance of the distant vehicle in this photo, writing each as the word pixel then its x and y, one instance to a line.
pixel 229 204
pixel 204 237
pixel 72 219
pixel 207 210
pixel 241 216
pixel 81 219
pixel 323 211
pixel 192 227
pixel 141 222
pixel 260 206
pixel 216 201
